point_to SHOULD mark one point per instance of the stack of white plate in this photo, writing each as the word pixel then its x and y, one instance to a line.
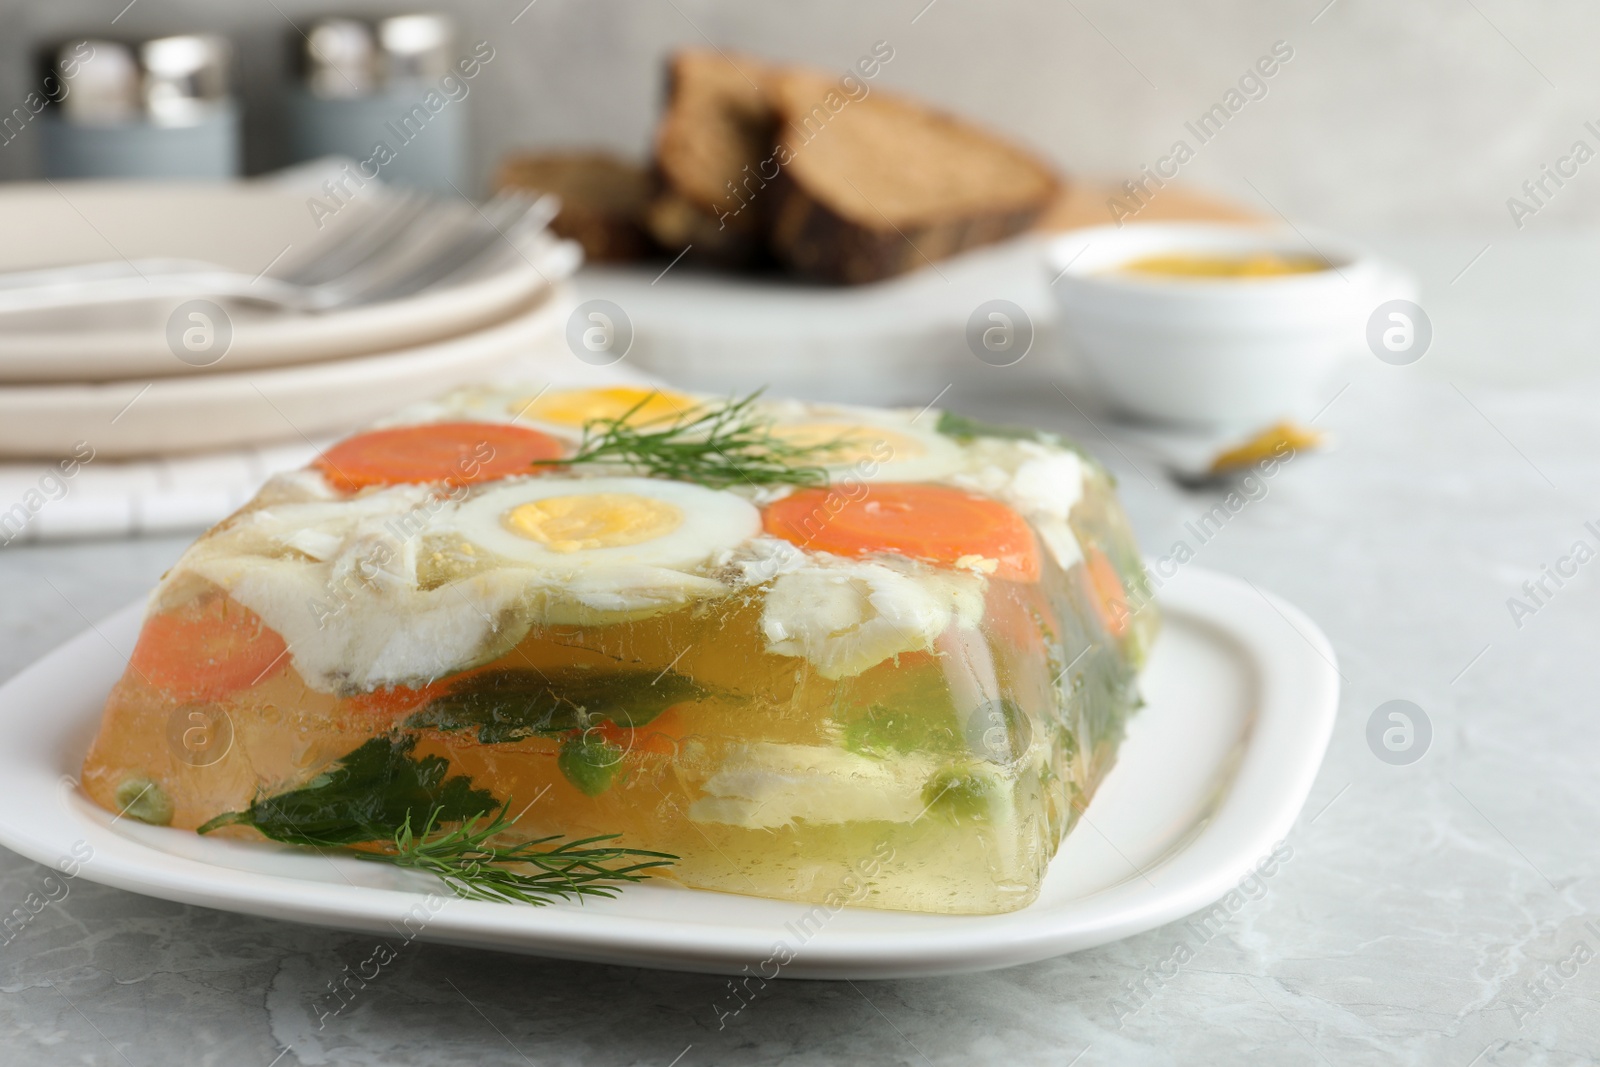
pixel 110 382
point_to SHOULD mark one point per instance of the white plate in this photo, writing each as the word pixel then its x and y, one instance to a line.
pixel 164 415
pixel 244 226
pixel 882 343
pixel 1241 695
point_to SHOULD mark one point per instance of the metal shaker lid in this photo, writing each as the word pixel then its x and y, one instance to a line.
pixel 99 81
pixel 416 47
pixel 341 58
pixel 185 77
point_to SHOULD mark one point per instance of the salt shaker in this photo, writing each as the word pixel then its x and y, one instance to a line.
pixel 389 95
pixel 159 109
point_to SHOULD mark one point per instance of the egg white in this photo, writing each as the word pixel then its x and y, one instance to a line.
pixel 473 403
pixel 883 458
pixel 712 522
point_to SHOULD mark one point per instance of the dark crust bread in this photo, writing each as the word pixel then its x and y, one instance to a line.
pixel 716 129
pixel 731 121
pixel 943 185
pixel 677 224
pixel 814 241
pixel 603 200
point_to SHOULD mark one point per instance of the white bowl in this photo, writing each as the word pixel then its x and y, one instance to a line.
pixel 1213 351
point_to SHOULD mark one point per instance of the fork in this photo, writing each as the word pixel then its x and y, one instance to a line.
pixel 414 243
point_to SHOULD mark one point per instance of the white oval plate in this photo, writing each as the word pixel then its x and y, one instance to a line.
pixel 244 226
pixel 1242 691
pixel 166 415
pixel 867 344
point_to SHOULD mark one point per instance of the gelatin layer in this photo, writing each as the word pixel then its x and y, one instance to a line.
pixel 928 756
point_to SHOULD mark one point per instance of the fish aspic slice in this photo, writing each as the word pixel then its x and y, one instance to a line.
pixel 542 644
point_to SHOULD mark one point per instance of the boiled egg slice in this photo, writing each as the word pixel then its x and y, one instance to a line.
pixel 573 524
pixel 569 410
pixel 872 450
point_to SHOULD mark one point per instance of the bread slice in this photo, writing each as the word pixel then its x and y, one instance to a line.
pixel 872 185
pixel 603 200
pixel 716 130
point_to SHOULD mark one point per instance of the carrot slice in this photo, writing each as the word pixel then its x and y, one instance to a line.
pixel 207 650
pixel 658 738
pixel 461 453
pixel 935 523
pixel 391 702
pixel 1110 600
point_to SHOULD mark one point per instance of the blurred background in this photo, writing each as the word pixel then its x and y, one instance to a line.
pixel 1390 122
pixel 1425 115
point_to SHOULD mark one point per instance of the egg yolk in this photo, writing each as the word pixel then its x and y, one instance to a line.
pixel 574 407
pixel 593 520
pixel 847 443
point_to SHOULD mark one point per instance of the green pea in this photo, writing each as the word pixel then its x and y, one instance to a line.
pixel 590 764
pixel 961 793
pixel 140 797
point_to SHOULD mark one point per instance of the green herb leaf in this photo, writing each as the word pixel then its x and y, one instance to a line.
pixel 914 715
pixel 512 705
pixel 366 796
pixel 1096 685
pixel 966 430
pixel 381 795
pixel 715 446
pixel 466 859
pixel 909 712
pixel 883 732
pixel 960 426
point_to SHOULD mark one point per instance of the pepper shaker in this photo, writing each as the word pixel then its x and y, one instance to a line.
pixel 385 94
pixel 159 109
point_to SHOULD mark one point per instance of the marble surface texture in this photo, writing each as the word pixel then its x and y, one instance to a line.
pixel 1442 912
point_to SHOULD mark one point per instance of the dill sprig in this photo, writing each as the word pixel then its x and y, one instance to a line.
pixel 363 806
pixel 467 860
pixel 726 445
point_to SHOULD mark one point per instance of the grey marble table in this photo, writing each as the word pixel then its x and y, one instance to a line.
pixel 1441 912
